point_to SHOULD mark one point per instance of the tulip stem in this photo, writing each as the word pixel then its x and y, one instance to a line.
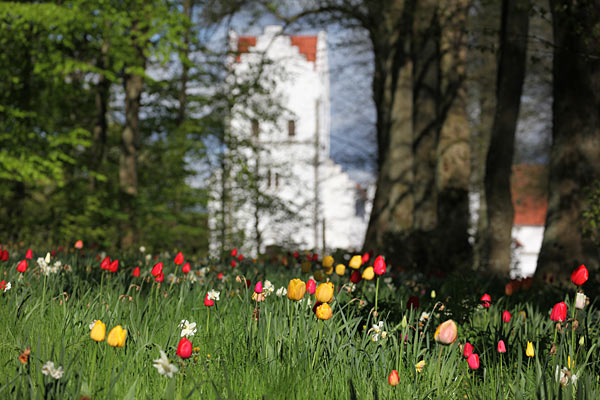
pixel 320 323
pixel 207 320
pixel 437 368
pixel 92 375
pixel 376 293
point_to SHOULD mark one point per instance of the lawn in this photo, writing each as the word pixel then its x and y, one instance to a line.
pixel 251 341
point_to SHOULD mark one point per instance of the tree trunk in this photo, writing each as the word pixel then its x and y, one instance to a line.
pixel 574 161
pixel 511 73
pixel 100 125
pixel 392 91
pixel 130 144
pixel 187 11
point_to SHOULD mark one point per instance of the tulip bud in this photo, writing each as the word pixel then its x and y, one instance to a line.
pixel 530 352
pixel 324 311
pixel 186 268
pixel 240 257
pixel 506 316
pixel 305 267
pixel 501 347
pixel 433 294
pixel 116 337
pixel 179 258
pixel 157 269
pixel 208 302
pixel 467 350
pixel 394 378
pixel 5 255
pixel 114 266
pixel 296 289
pixel 327 262
pixel 324 293
pixel 98 331
pixel 258 288
pixel 379 265
pixel 355 262
pixel 29 254
pixel 413 302
pixel 486 299
pixel 184 348
pixel 580 301
pixel 136 272
pixel 233 263
pixel 22 267
pixel 311 286
pixel 580 275
pixel 296 255
pixel 559 312
pixel 446 333
pixel 103 265
pixel 340 269
pixel 220 276
pixel 368 274
pixel 473 361
pixel 234 252
pixel 404 322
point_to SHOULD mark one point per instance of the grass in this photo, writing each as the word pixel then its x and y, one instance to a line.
pixel 286 352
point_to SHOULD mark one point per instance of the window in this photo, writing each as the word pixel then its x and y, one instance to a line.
pixel 255 127
pixel 291 128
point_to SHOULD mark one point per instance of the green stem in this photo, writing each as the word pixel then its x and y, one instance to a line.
pixel 93 374
pixel 437 367
pixel 320 323
pixel 376 293
pixel 207 320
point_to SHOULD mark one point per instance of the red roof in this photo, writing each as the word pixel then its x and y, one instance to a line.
pixel 529 188
pixel 307 45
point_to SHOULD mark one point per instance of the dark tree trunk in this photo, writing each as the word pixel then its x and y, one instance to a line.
pixel 100 125
pixel 574 157
pixel 181 112
pixel 511 73
pixel 392 212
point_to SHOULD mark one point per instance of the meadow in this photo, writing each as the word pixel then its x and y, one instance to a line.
pixel 81 325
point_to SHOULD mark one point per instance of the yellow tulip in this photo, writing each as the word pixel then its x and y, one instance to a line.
pixel 530 351
pixel 116 336
pixel 296 289
pixel 419 366
pixel 327 261
pixel 324 311
pixel 305 267
pixel 98 331
pixel 368 274
pixel 324 292
pixel 340 269
pixel 446 333
pixel 355 262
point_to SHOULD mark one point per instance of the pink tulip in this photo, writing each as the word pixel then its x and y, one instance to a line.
pixel 311 286
pixel 473 361
pixel 506 316
pixel 379 266
pixel 258 288
pixel 501 347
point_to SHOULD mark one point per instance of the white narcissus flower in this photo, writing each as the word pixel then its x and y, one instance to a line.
pixel 92 324
pixel 378 331
pixel 142 249
pixel 49 369
pixel 580 301
pixel 213 295
pixel 164 366
pixel 268 288
pixel 281 291
pixel 171 278
pixel 188 329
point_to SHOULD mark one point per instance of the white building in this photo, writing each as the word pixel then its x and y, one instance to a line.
pixel 290 152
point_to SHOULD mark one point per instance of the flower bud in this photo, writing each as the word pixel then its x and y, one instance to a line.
pixel 394 378
pixel 116 337
pixel 98 331
pixel 446 333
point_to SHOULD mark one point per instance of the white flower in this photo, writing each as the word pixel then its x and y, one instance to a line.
pixel 42 263
pixel 424 316
pixel 188 328
pixel 49 369
pixel 268 288
pixel 142 249
pixel 213 295
pixel 5 287
pixel 171 278
pixel 564 376
pixel 192 277
pixel 58 264
pixel 202 271
pixel 378 331
pixel 92 324
pixel 580 301
pixel 148 257
pixel 163 365
pixel 281 291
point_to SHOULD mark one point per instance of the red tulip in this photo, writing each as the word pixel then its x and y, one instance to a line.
pixel 233 263
pixel 29 254
pixel 258 288
pixel 22 267
pixel 184 348
pixel 157 269
pixel 233 252
pixel 467 350
pixel 186 268
pixel 248 283
pixel 473 361
pixel 559 312
pixel 311 286
pixel 394 378
pixel 501 347
pixel 315 257
pixel 580 275
pixel 79 244
pixel 4 255
pixel 220 276
pixel 53 253
pixel 113 266
pixel 179 258
pixel 413 302
pixel 379 265
pixel 506 316
pixel 240 257
pixel 296 255
pixel 160 277
pixel 355 277
pixel 105 263
pixel 208 302
pixel 136 272
pixel 486 300
pixel 365 258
